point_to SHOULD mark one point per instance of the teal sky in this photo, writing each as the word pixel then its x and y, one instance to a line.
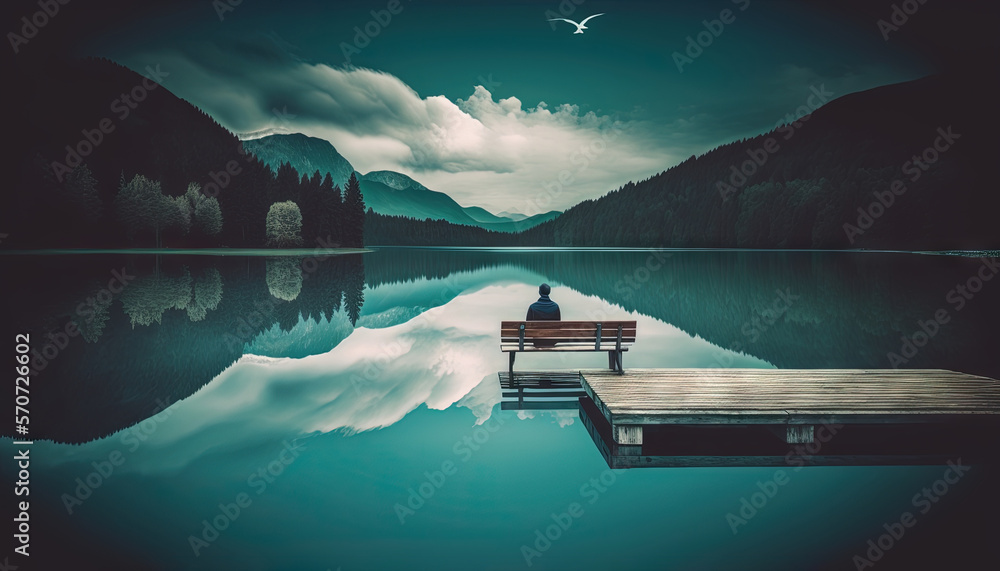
pixel 407 98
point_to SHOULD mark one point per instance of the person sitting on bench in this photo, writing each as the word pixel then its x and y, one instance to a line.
pixel 544 310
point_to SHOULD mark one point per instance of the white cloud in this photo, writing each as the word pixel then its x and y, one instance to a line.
pixel 498 154
pixel 376 376
pixel 481 151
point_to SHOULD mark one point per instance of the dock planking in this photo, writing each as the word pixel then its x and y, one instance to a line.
pixel 704 417
pixel 791 396
pixel 794 403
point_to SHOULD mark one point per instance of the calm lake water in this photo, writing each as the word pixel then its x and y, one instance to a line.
pixel 343 413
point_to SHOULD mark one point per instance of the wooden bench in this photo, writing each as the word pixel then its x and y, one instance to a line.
pixel 615 337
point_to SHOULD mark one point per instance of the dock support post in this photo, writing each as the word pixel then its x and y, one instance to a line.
pixel 799 434
pixel 618 351
pixel 627 450
pixel 628 434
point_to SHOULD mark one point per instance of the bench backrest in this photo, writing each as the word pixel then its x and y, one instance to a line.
pixel 601 335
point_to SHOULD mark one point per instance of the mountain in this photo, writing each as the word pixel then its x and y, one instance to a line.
pixel 512 215
pixel 306 155
pixel 904 166
pixel 393 179
pixel 437 205
pixel 531 221
pixel 386 192
pixel 483 215
pixel 518 222
pixel 83 157
pixel 395 194
pixel 418 204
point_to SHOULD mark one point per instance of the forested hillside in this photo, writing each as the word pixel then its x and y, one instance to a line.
pixel 916 158
pixel 305 154
pixel 106 157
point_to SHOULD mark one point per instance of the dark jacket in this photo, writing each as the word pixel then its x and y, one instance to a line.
pixel 543 310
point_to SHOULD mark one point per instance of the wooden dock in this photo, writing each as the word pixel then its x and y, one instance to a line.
pixel 749 417
pixel 792 397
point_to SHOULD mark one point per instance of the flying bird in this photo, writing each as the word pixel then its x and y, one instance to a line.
pixel 579 27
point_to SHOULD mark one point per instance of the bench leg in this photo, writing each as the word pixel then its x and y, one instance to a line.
pixel 611 360
pixel 618 359
pixel 510 367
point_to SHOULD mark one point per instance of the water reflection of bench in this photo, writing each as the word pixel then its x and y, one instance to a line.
pixel 547 390
pixel 615 337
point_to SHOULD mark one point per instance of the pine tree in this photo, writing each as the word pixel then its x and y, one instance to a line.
pixel 310 202
pixel 206 216
pixel 141 205
pixel 354 214
pixel 288 184
pixel 354 288
pixel 82 195
pixel 332 206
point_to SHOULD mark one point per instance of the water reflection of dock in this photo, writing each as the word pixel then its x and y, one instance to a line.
pixel 755 417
